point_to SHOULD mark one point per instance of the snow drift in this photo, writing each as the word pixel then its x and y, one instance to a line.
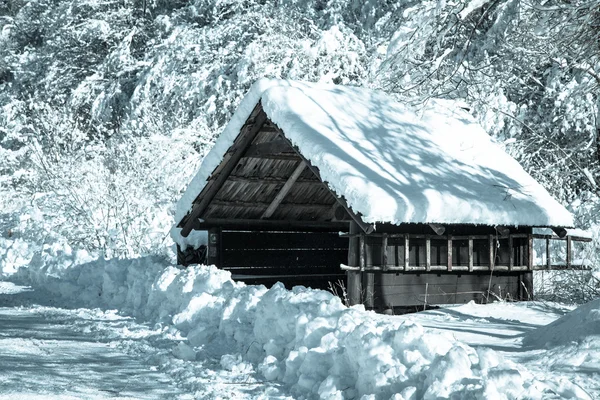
pixel 581 324
pixel 303 338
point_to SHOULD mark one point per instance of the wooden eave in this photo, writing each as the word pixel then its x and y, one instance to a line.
pixel 264 182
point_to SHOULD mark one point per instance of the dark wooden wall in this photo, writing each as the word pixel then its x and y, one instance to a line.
pixel 402 291
pixel 309 259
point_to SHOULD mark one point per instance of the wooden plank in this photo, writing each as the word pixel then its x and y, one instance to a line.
pixel 285 258
pixel 368 285
pixel 560 267
pixel 362 255
pixel 406 252
pixel 234 240
pixel 367 228
pixel 438 229
pixel 354 279
pixel 269 180
pixel 548 259
pixel 284 190
pixel 384 251
pixel 449 253
pixel 530 252
pixel 261 204
pixel 276 147
pixel 428 254
pixel 439 290
pixel 470 259
pixel 511 255
pixel 216 181
pixel 574 238
pixel 492 250
pixel 569 251
pixel 263 224
pixel 409 279
pixel 215 248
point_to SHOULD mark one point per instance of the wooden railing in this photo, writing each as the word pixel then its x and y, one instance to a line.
pixel 401 252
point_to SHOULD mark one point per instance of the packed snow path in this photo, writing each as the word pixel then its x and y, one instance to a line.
pixel 52 352
pixel 48 352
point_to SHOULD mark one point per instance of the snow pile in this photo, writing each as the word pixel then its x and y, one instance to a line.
pixel 581 324
pixel 303 338
pixel 392 164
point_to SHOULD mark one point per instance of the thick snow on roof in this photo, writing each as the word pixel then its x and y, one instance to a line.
pixel 391 163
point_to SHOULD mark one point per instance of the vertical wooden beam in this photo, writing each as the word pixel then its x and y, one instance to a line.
pixel 511 255
pixel 449 253
pixel 470 254
pixel 526 285
pixel 569 251
pixel 284 190
pixel 384 250
pixel 361 246
pixel 548 260
pixel 397 250
pixel 428 253
pixel 354 277
pixel 368 284
pixel 492 250
pixel 406 252
pixel 215 247
pixel 530 252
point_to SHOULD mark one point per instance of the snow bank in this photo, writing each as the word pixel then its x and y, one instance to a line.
pixel 303 338
pixel 391 163
pixel 581 324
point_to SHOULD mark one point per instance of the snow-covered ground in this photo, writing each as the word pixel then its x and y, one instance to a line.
pixel 196 333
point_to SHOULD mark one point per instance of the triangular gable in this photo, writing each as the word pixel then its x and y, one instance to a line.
pixel 262 142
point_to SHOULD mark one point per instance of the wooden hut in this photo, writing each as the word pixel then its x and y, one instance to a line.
pixel 312 185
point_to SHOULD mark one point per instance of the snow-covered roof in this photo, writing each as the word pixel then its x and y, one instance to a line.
pixel 391 163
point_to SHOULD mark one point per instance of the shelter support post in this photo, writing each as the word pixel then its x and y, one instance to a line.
pixel 530 252
pixel 569 251
pixel 449 264
pixel 526 288
pixel 215 251
pixel 354 278
pixel 548 260
pixel 492 250
pixel 368 278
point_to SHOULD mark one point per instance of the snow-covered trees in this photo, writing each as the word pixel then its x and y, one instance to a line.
pixel 107 107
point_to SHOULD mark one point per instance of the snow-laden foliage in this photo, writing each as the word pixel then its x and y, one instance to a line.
pixel 106 108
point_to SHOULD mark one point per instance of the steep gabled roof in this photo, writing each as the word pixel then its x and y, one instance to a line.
pixel 390 163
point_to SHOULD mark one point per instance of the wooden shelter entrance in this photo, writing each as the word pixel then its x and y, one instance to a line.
pixel 269 215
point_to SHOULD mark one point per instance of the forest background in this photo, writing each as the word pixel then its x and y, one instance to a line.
pixel 107 107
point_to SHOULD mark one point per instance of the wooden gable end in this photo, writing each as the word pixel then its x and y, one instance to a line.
pixel 263 182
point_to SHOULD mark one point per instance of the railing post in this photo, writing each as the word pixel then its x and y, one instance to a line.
pixel 449 253
pixel 569 251
pixel 428 253
pixel 530 252
pixel 548 260
pixel 384 249
pixel 511 255
pixel 492 250
pixel 470 254
pixel 354 277
pixel 406 252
